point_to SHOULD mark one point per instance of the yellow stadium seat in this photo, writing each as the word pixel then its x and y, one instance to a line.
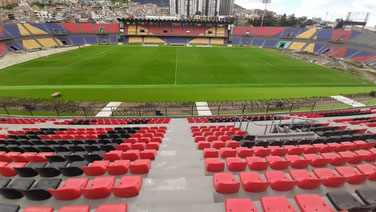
pixel 217 41
pixel 307 34
pixel 34 30
pixel 30 44
pixel 22 29
pixel 297 46
pixel 131 30
pixel 153 40
pixel 310 48
pixel 221 31
pixel 47 42
pixel 200 41
pixel 135 39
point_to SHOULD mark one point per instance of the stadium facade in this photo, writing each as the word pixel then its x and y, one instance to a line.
pixel 353 45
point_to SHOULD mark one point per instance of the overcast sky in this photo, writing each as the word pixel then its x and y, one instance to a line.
pixel 316 8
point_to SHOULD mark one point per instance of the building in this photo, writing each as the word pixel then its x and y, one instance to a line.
pixel 226 7
pixel 190 8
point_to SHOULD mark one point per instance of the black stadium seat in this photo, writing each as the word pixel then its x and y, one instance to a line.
pixel 343 200
pixel 368 195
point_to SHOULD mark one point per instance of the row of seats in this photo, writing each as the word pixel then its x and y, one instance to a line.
pixel 360 148
pixel 350 112
pixel 341 200
pixel 122 207
pixel 226 183
pixel 113 121
pixel 75 166
pixel 256 163
pixel 72 188
pixel 17 30
pixel 355 121
pixel 306 203
pixel 24 120
pixel 233 118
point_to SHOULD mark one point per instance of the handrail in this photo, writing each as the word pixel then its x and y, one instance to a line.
pixel 305 121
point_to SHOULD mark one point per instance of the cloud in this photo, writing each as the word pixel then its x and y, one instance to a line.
pixel 316 8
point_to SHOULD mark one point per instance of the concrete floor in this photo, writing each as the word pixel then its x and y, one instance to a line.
pixel 177 180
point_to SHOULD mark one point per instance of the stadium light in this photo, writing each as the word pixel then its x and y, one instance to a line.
pixel 266 2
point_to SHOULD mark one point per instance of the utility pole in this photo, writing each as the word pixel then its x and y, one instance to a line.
pixel 266 2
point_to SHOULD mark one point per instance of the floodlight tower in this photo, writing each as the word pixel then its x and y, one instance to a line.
pixel 266 2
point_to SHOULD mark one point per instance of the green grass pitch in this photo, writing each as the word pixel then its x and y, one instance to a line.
pixel 142 74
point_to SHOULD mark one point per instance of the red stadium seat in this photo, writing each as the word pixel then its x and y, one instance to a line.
pixel 141 166
pixel 96 168
pixel 138 146
pixel 128 186
pixel 261 151
pixel 118 167
pixel 305 179
pixel 8 170
pixel 148 154
pixel 293 150
pixel 352 158
pixel 113 155
pixel 276 162
pixel 77 208
pixel 244 152
pixel 257 163
pixel 99 188
pixel 152 145
pixel 316 160
pixel 252 182
pixel 277 151
pixel 38 209
pixel 309 149
pixel 225 183
pixel 218 144
pixel 124 147
pixel 210 153
pixel 232 144
pixel 279 181
pixel 70 190
pixel 276 204
pixel 368 170
pixel 297 162
pixel 312 203
pixel 354 177
pixel 330 178
pixel 121 207
pixel 227 152
pixel 131 155
pixel 240 205
pixel 366 155
pixel 235 164
pixel 214 165
pixel 335 160
pixel 203 144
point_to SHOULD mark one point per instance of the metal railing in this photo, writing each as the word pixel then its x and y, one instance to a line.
pixel 183 109
pixel 276 121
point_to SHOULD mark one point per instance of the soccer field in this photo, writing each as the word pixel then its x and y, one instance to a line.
pixel 137 73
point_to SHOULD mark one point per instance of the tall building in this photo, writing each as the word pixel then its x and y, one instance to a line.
pixel 189 8
pixel 226 7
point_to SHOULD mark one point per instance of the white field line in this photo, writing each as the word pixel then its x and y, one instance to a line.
pixel 108 109
pixel 176 64
pixel 203 109
pixel 348 101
